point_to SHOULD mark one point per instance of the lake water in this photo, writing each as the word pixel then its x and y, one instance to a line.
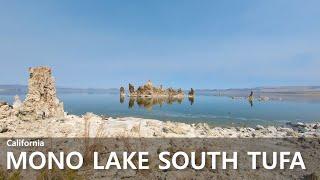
pixel 216 110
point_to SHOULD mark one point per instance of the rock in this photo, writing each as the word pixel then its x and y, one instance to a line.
pixel 302 129
pixel 202 128
pixel 290 132
pixel 165 130
pixel 250 129
pixel 316 126
pixel 191 93
pixel 259 127
pixel 176 128
pixel 17 103
pixel 90 115
pixel 272 129
pixel 91 125
pixel 5 110
pixel 297 125
pixel 300 124
pixel 131 88
pixel 150 91
pixel 149 85
pixel 122 91
pixel 41 101
pixel 3 128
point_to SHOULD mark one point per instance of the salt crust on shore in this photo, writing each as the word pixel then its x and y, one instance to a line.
pixel 91 125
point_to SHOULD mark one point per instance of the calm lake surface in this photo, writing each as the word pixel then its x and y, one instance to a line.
pixel 215 110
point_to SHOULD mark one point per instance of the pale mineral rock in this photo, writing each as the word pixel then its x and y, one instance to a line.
pixel 150 91
pixel 3 128
pixel 191 93
pixel 5 110
pixel 91 125
pixel 259 127
pixel 122 91
pixel 131 90
pixel 16 103
pixel 41 101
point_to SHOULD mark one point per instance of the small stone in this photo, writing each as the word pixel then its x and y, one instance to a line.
pixel 316 126
pixel 301 124
pixel 272 129
pixel 165 130
pixel 292 133
pixel 3 128
pixel 302 130
pixel 5 110
pixel 297 125
pixel 259 127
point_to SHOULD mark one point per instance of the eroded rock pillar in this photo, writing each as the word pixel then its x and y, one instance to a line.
pixel 41 101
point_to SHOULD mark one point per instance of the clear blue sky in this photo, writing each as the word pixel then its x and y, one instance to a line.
pixel 201 44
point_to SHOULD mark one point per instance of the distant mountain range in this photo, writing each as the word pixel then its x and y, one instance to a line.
pixel 301 93
pixel 281 90
pixel 22 89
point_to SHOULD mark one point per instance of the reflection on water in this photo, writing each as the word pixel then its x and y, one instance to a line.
pixel 250 102
pixel 148 103
pixel 121 99
pixel 217 110
pixel 131 102
pixel 191 100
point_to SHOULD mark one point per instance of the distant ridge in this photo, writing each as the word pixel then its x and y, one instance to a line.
pixel 268 89
pixel 22 89
pixel 305 93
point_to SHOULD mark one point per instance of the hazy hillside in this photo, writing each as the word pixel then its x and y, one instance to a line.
pixel 283 92
pixel 309 93
pixel 22 89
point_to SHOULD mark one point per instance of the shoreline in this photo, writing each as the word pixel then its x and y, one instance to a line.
pixel 94 126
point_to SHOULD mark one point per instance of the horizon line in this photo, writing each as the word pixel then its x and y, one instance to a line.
pixel 256 87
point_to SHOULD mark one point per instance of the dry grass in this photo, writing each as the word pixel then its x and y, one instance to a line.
pixel 55 174
pixel 6 175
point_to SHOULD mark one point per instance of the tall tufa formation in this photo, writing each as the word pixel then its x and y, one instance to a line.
pixel 41 101
pixel 131 90
pixel 191 93
pixel 122 91
pixel 250 97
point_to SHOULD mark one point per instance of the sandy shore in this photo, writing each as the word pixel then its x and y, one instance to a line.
pixel 91 125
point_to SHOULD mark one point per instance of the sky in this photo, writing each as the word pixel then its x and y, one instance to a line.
pixel 180 43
